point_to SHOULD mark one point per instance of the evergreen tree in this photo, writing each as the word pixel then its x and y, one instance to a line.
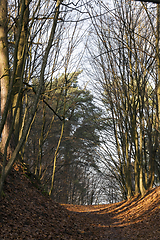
pixel 76 153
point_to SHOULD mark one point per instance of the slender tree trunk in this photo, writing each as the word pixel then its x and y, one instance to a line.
pixel 38 167
pixel 18 81
pixel 141 177
pixel 136 164
pixel 55 158
pixel 128 170
pixel 66 167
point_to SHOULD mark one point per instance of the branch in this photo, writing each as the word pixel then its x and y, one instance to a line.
pixel 33 89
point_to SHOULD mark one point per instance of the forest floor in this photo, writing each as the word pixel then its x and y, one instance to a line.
pixel 25 213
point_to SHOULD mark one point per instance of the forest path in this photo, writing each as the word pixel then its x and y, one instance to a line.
pixel 138 218
pixel 27 214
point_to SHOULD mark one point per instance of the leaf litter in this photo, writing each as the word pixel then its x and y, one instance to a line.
pixel 25 213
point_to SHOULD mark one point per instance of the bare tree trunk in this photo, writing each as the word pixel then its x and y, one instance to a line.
pixel 141 177
pixel 4 73
pixel 18 81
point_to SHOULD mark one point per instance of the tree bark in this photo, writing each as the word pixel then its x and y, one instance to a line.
pixel 4 73
pixel 18 81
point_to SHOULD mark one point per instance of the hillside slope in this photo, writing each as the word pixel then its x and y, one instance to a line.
pixel 27 214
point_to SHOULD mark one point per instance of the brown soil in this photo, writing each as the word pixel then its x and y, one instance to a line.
pixel 27 214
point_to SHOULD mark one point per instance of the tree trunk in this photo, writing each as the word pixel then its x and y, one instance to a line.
pixel 141 177
pixel 136 165
pixel 18 81
pixel 4 73
pixel 158 58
